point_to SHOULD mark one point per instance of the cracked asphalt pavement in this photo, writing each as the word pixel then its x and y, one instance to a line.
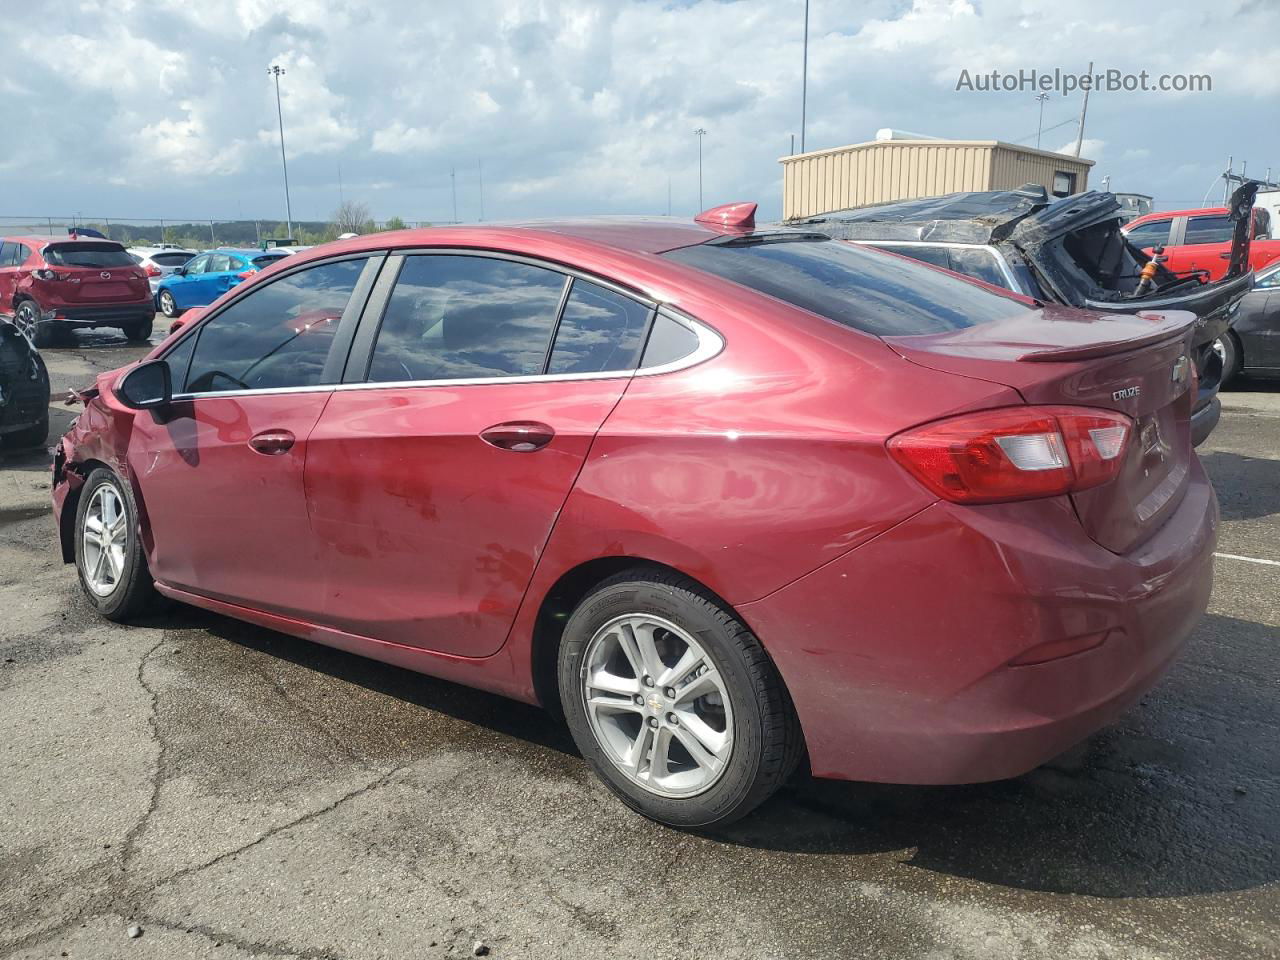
pixel 237 793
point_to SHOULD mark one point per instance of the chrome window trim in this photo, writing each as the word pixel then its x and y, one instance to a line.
pixel 999 258
pixel 710 343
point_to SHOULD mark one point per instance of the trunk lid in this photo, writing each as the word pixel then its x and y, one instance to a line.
pixel 1138 364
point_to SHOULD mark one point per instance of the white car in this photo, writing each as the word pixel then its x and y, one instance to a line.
pixel 160 261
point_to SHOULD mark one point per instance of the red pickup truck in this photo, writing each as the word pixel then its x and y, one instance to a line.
pixel 1201 239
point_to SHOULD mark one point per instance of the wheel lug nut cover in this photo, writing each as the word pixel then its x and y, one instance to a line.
pixel 653 721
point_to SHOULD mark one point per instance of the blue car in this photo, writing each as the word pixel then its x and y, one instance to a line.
pixel 207 276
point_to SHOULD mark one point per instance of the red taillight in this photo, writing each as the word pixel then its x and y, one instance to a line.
pixel 1014 453
pixel 153 270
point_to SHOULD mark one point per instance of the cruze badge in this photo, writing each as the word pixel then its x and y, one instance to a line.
pixel 1126 393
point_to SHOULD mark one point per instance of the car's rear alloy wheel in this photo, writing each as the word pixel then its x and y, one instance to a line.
pixel 109 557
pixel 674 702
pixel 26 317
pixel 168 306
pixel 1228 350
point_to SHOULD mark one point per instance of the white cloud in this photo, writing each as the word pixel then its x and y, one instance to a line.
pixel 585 106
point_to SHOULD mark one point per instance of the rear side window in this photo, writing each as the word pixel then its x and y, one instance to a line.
pixel 669 341
pixel 277 334
pixel 1208 230
pixel 885 296
pixel 932 255
pixel 7 252
pixel 453 317
pixel 599 331
pixel 83 254
pixel 218 263
pixel 979 263
pixel 171 259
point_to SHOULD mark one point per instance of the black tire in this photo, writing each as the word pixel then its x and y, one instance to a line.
pixel 26 314
pixel 33 436
pixel 767 743
pixel 1232 355
pixel 168 306
pixel 134 590
pixel 139 330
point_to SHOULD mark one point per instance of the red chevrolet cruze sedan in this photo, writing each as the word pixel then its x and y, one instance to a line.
pixel 727 496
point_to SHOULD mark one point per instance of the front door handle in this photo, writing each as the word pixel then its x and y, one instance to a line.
pixel 272 443
pixel 519 436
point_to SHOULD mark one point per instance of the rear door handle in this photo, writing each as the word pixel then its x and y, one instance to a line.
pixel 519 436
pixel 272 443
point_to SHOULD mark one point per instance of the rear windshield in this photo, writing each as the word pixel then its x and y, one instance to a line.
pixel 82 254
pixel 171 259
pixel 864 289
pixel 268 258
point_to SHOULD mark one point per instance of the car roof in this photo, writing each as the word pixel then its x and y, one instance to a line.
pixel 1170 214
pixel 41 242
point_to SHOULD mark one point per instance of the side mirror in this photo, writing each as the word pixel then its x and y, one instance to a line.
pixel 180 271
pixel 146 387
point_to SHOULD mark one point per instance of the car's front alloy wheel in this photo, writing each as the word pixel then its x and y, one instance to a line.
pixel 168 306
pixel 673 701
pixel 109 558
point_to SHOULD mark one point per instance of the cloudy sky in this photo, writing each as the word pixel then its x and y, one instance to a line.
pixel 150 109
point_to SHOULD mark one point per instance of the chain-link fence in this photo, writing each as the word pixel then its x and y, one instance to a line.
pixel 197 234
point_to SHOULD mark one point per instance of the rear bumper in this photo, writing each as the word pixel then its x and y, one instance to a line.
pixel 101 315
pixel 898 654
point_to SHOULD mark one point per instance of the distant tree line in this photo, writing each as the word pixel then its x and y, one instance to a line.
pixel 351 217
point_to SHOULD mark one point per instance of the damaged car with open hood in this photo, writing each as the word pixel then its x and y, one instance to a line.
pixel 1068 251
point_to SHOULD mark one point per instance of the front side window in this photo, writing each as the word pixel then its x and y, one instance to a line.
pixel 198 265
pixel 276 335
pixel 7 252
pixel 457 317
pixel 1209 230
pixel 599 331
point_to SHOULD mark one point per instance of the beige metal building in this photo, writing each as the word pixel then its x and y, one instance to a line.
pixel 892 169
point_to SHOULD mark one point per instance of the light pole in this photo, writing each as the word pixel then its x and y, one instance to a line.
pixel 804 75
pixel 1042 97
pixel 700 134
pixel 278 72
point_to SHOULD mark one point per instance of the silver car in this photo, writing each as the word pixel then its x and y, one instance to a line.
pixel 161 261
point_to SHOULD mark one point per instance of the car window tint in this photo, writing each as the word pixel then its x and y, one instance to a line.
pixel 934 255
pixel 600 330
pixel 276 335
pixel 863 289
pixel 669 341
pixel 977 262
pixel 1149 234
pixel 453 317
pixel 1208 230
pixel 7 251
pixel 83 254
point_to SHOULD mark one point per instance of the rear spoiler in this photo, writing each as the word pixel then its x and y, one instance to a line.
pixel 1164 327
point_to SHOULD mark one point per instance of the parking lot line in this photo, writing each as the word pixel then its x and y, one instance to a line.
pixel 1233 556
